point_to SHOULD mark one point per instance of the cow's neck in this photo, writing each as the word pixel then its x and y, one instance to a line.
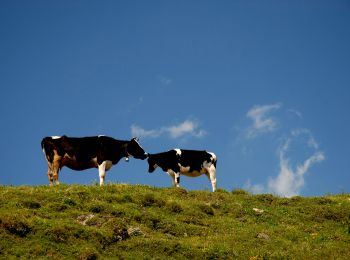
pixel 126 154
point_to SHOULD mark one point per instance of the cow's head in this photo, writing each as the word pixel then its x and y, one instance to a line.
pixel 152 166
pixel 135 150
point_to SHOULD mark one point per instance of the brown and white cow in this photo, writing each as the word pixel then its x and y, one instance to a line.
pixel 81 153
pixel 190 163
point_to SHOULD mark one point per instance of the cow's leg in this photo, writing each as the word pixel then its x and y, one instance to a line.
pixel 52 172
pixel 55 168
pixel 175 178
pixel 50 175
pixel 55 173
pixel 102 172
pixel 211 174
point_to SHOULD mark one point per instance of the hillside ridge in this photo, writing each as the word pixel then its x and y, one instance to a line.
pixel 140 222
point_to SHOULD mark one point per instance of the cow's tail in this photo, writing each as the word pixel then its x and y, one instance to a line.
pixel 46 146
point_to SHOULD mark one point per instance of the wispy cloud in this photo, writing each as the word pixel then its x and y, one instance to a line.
pixel 263 122
pixel 140 132
pixel 297 153
pixel 165 81
pixel 254 188
pixel 291 176
pixel 290 180
pixel 295 112
pixel 186 128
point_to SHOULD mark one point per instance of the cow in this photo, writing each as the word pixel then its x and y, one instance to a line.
pixel 81 153
pixel 190 163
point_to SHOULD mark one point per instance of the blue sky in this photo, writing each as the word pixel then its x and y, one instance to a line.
pixel 263 84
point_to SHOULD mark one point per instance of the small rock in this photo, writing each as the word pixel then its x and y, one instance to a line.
pixel 263 236
pixel 82 219
pixel 260 211
pixel 135 232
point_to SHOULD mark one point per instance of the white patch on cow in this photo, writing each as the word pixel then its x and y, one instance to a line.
pixel 171 172
pixel 56 137
pixel 207 164
pixel 213 156
pixel 137 141
pixel 184 169
pixel 178 151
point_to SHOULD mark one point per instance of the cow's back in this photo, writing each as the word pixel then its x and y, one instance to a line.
pixel 195 159
pixel 82 148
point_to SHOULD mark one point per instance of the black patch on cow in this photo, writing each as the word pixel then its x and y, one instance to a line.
pixel 194 159
pixel 166 160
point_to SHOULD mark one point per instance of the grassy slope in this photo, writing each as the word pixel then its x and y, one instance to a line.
pixel 89 222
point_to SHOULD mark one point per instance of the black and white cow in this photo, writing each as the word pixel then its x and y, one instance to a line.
pixel 81 153
pixel 190 163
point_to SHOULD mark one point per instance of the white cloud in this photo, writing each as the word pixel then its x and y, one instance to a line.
pixel 310 139
pixel 263 122
pixel 188 127
pixel 165 81
pixel 140 132
pixel 289 181
pixel 295 112
pixel 298 153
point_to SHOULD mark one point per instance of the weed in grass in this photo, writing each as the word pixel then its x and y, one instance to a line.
pixel 219 252
pixel 240 192
pixel 70 202
pixel 207 209
pixel 150 200
pixel 97 208
pixel 58 207
pixel 267 199
pixel 126 198
pixel 173 207
pixel 111 233
pixel 119 230
pixel 31 204
pixel 58 234
pixel 150 220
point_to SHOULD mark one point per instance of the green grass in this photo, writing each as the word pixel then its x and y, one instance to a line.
pixel 141 222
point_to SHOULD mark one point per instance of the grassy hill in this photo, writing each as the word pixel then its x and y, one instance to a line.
pixel 133 222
